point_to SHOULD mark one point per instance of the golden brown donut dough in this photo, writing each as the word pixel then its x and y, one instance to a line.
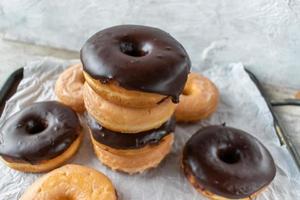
pixel 46 165
pixel 297 95
pixel 71 182
pixel 211 195
pixel 133 160
pixel 199 99
pixel 126 119
pixel 120 96
pixel 68 87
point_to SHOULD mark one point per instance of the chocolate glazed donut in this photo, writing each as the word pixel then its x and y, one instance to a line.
pixel 139 58
pixel 227 162
pixel 39 132
pixel 129 141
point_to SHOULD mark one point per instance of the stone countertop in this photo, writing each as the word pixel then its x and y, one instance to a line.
pixel 262 34
pixel 15 54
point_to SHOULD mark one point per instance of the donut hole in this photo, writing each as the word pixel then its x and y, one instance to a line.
pixel 134 49
pixel 35 126
pixel 229 155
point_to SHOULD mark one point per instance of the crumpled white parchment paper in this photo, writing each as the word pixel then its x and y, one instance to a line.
pixel 241 106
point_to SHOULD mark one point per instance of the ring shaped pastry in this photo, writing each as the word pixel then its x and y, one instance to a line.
pixel 227 163
pixel 138 58
pixel 71 182
pixel 40 137
pixel 131 153
pixel 125 119
pixel 133 160
pixel 297 95
pixel 112 92
pixel 199 99
pixel 118 140
pixel 68 88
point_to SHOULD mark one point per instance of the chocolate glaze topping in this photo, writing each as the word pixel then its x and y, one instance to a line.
pixel 129 141
pixel 139 58
pixel 228 162
pixel 39 132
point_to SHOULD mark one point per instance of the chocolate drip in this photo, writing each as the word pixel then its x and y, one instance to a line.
pixel 228 162
pixel 129 141
pixel 139 58
pixel 39 132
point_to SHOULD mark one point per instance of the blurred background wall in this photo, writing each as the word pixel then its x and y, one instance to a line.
pixel 262 34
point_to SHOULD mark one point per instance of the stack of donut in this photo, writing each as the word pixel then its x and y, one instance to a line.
pixel 134 76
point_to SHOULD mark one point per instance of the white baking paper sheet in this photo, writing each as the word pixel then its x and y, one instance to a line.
pixel 241 106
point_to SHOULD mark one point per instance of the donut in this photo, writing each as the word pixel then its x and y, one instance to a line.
pixel 199 99
pixel 297 95
pixel 71 182
pixel 40 137
pixel 139 58
pixel 68 88
pixel 112 92
pixel 131 153
pixel 126 119
pixel 227 163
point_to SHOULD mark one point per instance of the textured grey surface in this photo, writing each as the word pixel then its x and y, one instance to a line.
pixel 263 34
pixel 14 55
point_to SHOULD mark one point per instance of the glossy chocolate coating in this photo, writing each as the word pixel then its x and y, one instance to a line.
pixel 139 58
pixel 129 141
pixel 39 132
pixel 228 162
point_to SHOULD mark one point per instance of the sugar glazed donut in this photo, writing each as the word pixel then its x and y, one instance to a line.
pixel 227 163
pixel 126 119
pixel 112 92
pixel 199 99
pixel 134 76
pixel 68 88
pixel 73 182
pixel 40 137
pixel 297 95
